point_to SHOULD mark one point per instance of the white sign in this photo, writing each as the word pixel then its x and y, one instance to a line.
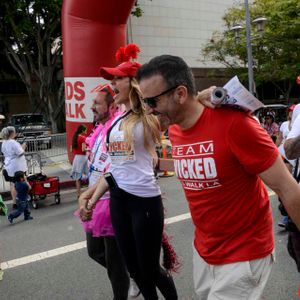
pixel 78 97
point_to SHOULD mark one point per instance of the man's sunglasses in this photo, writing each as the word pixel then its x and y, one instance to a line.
pixel 151 101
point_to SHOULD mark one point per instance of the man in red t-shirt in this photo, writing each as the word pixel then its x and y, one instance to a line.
pixel 222 157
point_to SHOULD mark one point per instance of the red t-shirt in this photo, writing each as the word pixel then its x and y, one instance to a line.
pixel 80 141
pixel 217 162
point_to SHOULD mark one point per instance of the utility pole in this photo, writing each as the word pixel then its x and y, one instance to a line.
pixel 249 48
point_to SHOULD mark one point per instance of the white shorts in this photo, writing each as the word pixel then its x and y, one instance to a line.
pixel 236 281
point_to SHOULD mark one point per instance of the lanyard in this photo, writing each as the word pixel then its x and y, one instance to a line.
pixel 112 126
pixel 94 154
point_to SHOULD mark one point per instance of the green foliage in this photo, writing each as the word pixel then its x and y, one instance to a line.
pixel 276 54
pixel 137 10
pixel 28 31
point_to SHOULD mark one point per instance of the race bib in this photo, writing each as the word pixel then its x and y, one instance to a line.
pixel 119 150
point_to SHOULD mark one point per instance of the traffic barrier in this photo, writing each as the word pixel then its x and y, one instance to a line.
pixel 166 173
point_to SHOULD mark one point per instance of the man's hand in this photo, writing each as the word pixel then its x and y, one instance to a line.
pixel 205 97
pixel 85 212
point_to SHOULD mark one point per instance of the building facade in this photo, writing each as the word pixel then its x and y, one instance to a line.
pixel 176 27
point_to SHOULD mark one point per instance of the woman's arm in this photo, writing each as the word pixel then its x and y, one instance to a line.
pixel 101 188
pixel 90 197
pixel 83 147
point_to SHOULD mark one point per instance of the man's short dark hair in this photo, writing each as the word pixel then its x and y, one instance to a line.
pixel 173 69
pixel 19 175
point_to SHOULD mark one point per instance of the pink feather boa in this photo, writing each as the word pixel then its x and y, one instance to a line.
pixel 91 139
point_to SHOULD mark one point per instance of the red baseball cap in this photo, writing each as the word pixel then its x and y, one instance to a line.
pixel 292 107
pixel 127 68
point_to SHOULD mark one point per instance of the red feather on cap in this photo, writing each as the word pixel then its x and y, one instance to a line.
pixel 121 55
pixel 132 50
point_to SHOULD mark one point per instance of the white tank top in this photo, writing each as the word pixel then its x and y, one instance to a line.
pixel 133 171
pixel 99 163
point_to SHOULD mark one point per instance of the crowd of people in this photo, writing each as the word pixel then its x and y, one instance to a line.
pixel 223 178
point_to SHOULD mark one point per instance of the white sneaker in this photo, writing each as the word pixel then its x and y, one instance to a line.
pixel 134 291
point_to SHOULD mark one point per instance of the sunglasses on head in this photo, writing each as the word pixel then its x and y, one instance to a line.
pixel 151 101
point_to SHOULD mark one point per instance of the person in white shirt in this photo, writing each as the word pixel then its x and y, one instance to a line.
pixel 292 142
pixel 14 157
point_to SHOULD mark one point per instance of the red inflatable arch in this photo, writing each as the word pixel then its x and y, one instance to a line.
pixel 92 31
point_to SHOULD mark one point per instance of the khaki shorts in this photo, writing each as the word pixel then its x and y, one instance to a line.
pixel 236 281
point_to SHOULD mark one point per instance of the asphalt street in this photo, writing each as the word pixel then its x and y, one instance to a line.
pixel 45 259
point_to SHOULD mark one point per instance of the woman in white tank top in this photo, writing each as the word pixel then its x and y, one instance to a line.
pixel 136 204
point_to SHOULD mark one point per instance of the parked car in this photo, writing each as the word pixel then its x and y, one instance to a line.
pixel 32 129
pixel 2 119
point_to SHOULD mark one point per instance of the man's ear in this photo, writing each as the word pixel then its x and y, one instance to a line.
pixel 182 94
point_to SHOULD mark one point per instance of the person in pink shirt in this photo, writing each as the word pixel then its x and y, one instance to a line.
pixel 271 126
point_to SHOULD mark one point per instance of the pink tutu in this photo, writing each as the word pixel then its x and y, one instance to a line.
pixel 100 224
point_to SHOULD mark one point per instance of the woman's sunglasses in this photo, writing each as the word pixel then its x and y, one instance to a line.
pixel 151 101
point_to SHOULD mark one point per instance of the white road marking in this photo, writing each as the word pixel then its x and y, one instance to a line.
pixel 42 255
pixel 66 249
pixel 178 218
pixel 76 246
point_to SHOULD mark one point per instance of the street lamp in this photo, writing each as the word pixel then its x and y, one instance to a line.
pixel 259 21
pixel 260 24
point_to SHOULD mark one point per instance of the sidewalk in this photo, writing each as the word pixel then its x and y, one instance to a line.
pixel 54 166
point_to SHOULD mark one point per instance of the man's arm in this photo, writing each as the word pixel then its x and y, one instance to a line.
pixel 292 148
pixel 278 178
pixel 292 142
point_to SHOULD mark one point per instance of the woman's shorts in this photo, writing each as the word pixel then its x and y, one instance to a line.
pixel 79 167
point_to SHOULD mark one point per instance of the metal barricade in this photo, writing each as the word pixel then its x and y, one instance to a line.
pixel 47 146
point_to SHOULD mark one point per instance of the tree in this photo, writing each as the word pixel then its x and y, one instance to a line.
pixel 276 54
pixel 30 36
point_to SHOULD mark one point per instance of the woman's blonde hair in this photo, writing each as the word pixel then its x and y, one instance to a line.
pixel 150 122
